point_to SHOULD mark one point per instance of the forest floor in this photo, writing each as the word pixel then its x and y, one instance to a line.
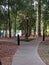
pixel 43 50
pixel 7 50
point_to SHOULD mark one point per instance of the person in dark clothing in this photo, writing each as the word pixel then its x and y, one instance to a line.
pixel 0 63
pixel 18 39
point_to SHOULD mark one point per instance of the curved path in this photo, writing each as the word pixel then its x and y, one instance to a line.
pixel 27 54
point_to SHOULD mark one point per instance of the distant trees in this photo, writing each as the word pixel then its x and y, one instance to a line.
pixel 45 17
pixel 13 15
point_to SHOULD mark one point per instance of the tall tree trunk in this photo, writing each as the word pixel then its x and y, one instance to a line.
pixel 22 32
pixel 34 29
pixel 15 27
pixel 29 32
pixel 9 21
pixel 3 32
pixel 43 33
pixel 39 18
pixel 44 30
pixel 5 25
pixel 0 33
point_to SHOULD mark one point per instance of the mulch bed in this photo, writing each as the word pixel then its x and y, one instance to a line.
pixel 7 51
pixel 45 42
pixel 7 48
pixel 43 50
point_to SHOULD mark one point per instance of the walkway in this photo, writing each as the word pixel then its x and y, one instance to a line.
pixel 27 54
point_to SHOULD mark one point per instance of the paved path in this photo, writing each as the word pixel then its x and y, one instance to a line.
pixel 27 54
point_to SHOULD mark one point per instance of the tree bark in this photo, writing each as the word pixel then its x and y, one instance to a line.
pixel 9 23
pixel 44 30
pixel 22 32
pixel 34 30
pixel 15 27
pixel 39 18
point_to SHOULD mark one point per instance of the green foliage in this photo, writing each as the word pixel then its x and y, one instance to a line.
pixel 46 12
pixel 19 9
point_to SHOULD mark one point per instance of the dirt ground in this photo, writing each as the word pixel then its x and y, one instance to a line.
pixel 44 51
pixel 7 50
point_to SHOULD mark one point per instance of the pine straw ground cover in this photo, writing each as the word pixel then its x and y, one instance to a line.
pixel 7 50
pixel 44 51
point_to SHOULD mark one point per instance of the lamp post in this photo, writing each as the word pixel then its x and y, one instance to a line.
pixel 27 28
